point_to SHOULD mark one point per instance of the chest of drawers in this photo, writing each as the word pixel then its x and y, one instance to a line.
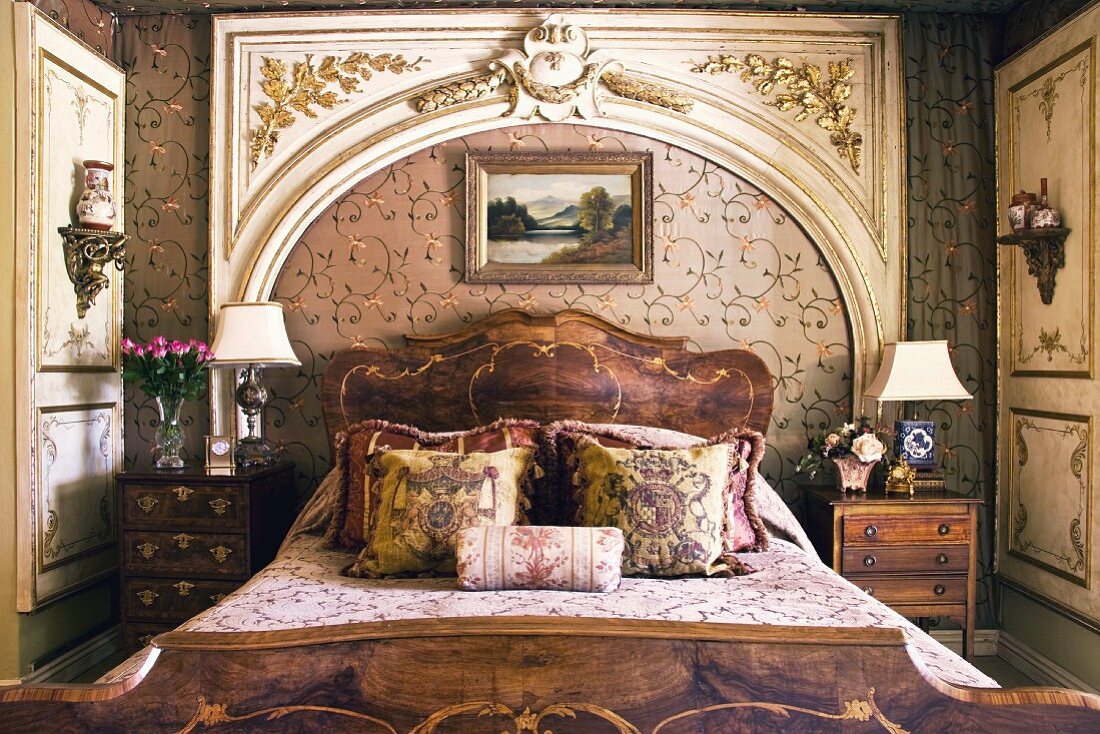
pixel 190 537
pixel 917 554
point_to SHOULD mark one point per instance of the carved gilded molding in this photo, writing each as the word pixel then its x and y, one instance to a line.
pixel 806 88
pixel 305 87
pixel 211 715
pixel 555 77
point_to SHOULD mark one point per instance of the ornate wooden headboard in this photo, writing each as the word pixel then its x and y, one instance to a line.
pixel 572 364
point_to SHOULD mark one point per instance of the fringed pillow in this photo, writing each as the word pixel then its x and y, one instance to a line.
pixel 540 557
pixel 357 445
pixel 743 530
pixel 425 498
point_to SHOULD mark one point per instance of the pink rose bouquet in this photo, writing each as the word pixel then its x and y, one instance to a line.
pixel 167 369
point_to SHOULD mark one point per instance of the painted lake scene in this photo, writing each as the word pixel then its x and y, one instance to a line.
pixel 559 218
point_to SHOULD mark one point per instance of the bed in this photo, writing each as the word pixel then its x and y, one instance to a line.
pixel 790 647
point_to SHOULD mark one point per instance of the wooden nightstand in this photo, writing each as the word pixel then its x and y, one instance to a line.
pixel 917 554
pixel 188 537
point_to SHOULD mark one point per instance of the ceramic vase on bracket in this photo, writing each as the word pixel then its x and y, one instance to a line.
pixel 1045 215
pixel 1020 213
pixel 852 474
pixel 96 208
pixel 169 434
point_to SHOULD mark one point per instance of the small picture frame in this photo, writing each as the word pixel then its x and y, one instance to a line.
pixel 219 452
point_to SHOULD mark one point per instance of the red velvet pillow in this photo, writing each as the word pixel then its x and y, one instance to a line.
pixel 744 530
pixel 355 446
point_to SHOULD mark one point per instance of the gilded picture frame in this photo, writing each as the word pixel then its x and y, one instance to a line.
pixel 559 217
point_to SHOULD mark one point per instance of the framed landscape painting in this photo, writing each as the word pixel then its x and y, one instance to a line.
pixel 559 218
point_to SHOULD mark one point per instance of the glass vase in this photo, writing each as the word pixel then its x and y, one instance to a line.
pixel 169 434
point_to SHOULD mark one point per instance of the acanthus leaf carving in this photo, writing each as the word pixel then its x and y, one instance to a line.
pixel 805 87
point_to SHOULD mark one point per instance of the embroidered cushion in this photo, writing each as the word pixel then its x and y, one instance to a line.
pixel 427 497
pixel 744 531
pixel 540 557
pixel 670 505
pixel 356 446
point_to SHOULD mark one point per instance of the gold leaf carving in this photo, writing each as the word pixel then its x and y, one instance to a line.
pixel 631 88
pixel 464 91
pixel 806 88
pixel 304 88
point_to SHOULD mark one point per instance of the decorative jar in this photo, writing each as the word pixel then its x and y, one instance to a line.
pixel 853 474
pixel 1020 213
pixel 96 208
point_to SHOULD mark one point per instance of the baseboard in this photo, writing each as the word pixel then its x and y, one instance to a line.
pixel 1037 666
pixel 985 641
pixel 68 666
pixel 9 682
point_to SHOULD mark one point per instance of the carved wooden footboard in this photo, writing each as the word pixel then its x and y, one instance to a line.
pixel 536 675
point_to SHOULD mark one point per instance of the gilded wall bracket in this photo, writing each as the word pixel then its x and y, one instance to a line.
pixel 1045 250
pixel 806 88
pixel 87 253
pixel 555 77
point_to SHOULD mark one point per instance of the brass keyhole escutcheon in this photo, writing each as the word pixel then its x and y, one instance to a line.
pixel 183 493
pixel 216 597
pixel 183 540
pixel 220 506
pixel 147 503
pixel 148 550
pixel 147 597
pixel 221 553
pixel 183 588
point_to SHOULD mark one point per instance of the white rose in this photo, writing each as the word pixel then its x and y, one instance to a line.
pixel 847 429
pixel 868 448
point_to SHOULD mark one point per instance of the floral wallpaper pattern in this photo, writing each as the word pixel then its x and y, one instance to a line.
pixel 952 247
pixel 84 19
pixel 167 62
pixel 731 269
pixel 952 213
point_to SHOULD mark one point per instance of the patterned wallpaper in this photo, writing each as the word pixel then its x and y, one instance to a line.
pixel 167 61
pixel 952 248
pixel 86 20
pixel 732 270
pixel 949 62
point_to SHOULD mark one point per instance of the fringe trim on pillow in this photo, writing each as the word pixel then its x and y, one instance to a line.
pixel 755 439
pixel 340 512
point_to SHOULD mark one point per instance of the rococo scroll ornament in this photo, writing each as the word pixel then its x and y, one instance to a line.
pixel 554 77
pixel 306 87
pixel 806 88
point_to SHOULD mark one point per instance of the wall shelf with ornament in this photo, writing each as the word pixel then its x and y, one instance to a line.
pixel 1045 250
pixel 87 254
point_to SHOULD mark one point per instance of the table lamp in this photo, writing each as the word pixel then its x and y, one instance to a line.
pixel 911 372
pixel 250 336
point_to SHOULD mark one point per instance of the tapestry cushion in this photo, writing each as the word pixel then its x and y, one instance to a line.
pixel 669 504
pixel 426 497
pixel 357 445
pixel 743 529
pixel 540 557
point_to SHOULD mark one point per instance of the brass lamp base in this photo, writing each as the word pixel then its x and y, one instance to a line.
pixel 900 476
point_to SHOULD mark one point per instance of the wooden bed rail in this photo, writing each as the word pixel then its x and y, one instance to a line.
pixel 528 675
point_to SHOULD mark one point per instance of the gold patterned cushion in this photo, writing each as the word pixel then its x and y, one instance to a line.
pixel 670 504
pixel 427 497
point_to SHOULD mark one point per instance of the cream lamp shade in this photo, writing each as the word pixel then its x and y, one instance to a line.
pixel 252 333
pixel 916 371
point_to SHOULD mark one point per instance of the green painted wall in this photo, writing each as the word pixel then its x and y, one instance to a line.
pixel 1053 635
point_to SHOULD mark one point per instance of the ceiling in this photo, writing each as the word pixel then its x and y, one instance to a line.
pixel 130 7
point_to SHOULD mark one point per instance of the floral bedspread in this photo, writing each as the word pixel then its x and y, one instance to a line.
pixel 304 587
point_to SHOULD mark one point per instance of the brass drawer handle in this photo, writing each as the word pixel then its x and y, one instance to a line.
pixel 869 590
pixel 944 529
pixel 939 589
pixel 221 553
pixel 216 597
pixel 183 588
pixel 145 640
pixel 220 506
pixel 148 550
pixel 871 531
pixel 869 561
pixel 183 493
pixel 147 503
pixel 147 597
pixel 942 559
pixel 183 540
